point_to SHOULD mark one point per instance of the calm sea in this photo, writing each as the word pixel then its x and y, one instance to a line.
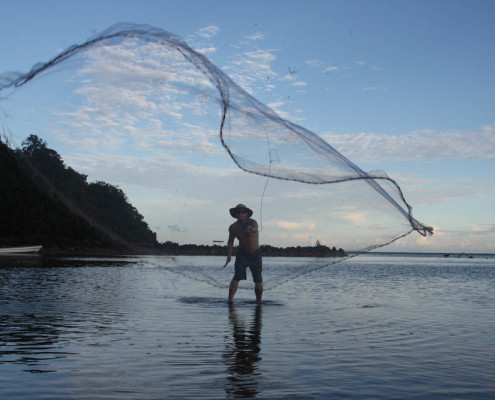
pixel 372 327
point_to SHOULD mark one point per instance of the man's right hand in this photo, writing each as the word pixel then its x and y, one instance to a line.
pixel 228 260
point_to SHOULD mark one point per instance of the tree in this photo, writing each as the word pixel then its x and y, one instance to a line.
pixel 101 202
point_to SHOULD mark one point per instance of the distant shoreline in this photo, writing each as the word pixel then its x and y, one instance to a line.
pixel 174 249
pixel 126 253
pixel 200 250
pixel 445 254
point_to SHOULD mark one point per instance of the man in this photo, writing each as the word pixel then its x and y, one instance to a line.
pixel 248 253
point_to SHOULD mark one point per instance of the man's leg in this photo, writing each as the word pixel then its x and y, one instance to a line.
pixel 232 289
pixel 256 266
pixel 258 290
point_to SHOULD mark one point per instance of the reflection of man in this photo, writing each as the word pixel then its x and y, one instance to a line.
pixel 243 356
pixel 245 230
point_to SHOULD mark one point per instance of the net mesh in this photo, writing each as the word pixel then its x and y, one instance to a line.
pixel 136 106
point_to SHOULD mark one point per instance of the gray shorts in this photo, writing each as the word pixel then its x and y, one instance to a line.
pixel 244 260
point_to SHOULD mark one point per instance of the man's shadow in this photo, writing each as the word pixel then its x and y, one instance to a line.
pixel 241 354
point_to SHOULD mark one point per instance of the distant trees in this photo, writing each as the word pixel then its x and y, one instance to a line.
pixel 29 215
pixel 318 250
pixel 110 206
pixel 100 203
pixel 51 165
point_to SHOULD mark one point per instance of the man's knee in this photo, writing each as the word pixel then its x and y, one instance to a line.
pixel 258 286
pixel 234 284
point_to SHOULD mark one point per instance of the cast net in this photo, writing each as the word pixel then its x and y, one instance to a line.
pixel 137 107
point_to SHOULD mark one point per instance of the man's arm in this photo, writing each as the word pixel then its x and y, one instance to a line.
pixel 230 248
pixel 252 227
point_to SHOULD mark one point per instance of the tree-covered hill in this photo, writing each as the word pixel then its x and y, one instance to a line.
pixel 43 201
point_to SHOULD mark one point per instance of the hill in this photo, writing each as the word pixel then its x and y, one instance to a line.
pixel 43 201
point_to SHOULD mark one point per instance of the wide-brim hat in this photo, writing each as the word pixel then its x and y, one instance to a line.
pixel 235 211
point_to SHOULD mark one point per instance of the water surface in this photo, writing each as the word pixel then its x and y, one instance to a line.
pixel 376 326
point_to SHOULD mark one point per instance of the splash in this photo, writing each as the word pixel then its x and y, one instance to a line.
pixel 137 106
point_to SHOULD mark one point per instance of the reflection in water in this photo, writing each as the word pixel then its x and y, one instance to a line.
pixel 242 355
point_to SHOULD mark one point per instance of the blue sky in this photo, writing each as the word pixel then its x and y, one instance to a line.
pixel 404 87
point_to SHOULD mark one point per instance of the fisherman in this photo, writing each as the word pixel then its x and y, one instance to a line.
pixel 245 230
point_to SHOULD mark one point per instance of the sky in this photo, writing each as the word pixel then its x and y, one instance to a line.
pixel 400 86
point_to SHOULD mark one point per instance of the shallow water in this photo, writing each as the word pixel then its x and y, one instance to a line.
pixel 376 326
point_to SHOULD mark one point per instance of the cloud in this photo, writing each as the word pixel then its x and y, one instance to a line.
pixel 482 229
pixel 295 225
pixel 252 69
pixel 256 36
pixel 206 50
pixel 330 69
pixel 152 170
pixel 275 106
pixel 208 32
pixel 356 218
pixel 417 145
pixel 201 39
pixel 455 241
pixel 139 96
pixel 288 77
pixel 315 63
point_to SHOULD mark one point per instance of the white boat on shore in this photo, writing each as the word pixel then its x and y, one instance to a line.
pixel 19 250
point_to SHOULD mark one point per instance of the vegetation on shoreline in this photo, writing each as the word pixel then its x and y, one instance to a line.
pixel 45 202
pixel 268 251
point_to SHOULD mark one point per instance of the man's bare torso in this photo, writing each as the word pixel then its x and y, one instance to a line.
pixel 247 234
